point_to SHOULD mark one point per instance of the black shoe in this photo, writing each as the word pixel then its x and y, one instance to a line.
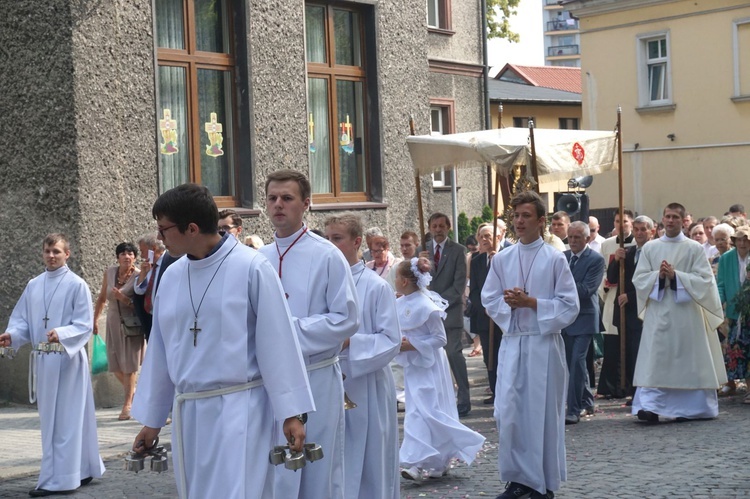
pixel 489 400
pixel 86 481
pixel 572 419
pixel 516 491
pixel 463 410
pixel 588 411
pixel 548 495
pixel 45 492
pixel 648 416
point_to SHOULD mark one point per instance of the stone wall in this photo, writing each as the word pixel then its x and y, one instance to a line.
pixel 80 126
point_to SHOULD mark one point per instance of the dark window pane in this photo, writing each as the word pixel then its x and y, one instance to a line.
pixel 315 30
pixel 211 26
pixel 350 108
pixel 174 153
pixel 433 13
pixel 170 31
pixel 347 38
pixel 215 118
pixel 653 49
pixel 319 135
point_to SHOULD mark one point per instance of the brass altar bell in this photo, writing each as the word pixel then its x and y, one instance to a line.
pixel 134 461
pixel 295 460
pixel 7 352
pixel 348 404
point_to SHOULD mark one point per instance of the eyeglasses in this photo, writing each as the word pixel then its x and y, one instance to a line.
pixel 376 251
pixel 227 228
pixel 162 230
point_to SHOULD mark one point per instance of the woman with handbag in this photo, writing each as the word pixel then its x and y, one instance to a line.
pixel 125 339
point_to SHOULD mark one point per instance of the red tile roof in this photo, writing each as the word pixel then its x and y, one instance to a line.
pixel 559 78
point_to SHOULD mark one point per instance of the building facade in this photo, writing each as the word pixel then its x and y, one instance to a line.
pixel 122 100
pixel 681 74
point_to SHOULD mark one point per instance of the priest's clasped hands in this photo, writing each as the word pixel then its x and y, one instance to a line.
pixel 666 270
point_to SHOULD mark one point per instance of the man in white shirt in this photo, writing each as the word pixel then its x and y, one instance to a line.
pixel 680 364
pixel 56 308
pixel 530 293
pixel 223 352
pixel 323 301
pixel 595 239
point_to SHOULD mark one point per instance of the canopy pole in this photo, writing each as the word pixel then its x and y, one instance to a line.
pixel 533 156
pixel 621 281
pixel 418 181
pixel 454 202
pixel 491 359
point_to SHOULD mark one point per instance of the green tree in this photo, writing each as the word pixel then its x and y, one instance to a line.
pixel 498 16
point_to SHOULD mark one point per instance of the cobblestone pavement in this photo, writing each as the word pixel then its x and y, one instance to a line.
pixel 609 455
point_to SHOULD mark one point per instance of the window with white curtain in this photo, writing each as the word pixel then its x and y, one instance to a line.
pixel 337 102
pixel 440 124
pixel 196 92
pixel 655 85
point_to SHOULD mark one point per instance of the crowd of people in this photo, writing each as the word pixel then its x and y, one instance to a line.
pixel 270 339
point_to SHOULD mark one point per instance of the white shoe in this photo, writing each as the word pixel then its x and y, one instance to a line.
pixel 433 473
pixel 412 473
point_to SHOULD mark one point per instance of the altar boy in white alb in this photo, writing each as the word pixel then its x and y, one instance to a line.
pixel 531 294
pixel 323 301
pixel 223 355
pixel 371 448
pixel 56 308
pixel 680 364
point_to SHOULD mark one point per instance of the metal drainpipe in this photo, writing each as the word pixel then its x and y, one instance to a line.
pixel 486 79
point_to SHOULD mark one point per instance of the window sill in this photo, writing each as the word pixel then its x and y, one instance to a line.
pixel 444 188
pixel 662 108
pixel 364 205
pixel 246 212
pixel 440 31
pixel 741 98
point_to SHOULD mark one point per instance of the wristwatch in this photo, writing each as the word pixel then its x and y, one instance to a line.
pixel 302 418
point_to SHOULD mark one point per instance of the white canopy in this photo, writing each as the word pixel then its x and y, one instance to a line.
pixel 561 154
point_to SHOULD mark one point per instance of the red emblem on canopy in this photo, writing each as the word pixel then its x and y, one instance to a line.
pixel 578 153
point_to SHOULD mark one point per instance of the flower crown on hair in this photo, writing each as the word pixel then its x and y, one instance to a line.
pixel 423 278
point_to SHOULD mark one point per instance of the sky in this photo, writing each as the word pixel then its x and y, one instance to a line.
pixel 530 50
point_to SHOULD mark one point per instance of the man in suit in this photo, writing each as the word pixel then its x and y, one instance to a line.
pixel 643 231
pixel 587 267
pixel 559 226
pixel 144 291
pixel 480 322
pixel 449 281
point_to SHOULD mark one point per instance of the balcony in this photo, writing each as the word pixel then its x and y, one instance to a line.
pixel 562 25
pixel 559 50
pixel 551 3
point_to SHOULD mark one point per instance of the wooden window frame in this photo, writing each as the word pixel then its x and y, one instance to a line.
pixel 332 72
pixel 193 60
pixel 444 16
pixel 562 121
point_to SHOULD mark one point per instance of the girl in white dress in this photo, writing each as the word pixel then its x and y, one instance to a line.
pixel 432 433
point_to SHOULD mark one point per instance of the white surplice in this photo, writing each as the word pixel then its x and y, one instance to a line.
pixel 532 373
pixel 607 294
pixel 679 349
pixel 245 333
pixel 323 302
pixel 70 450
pixel 433 435
pixel 371 443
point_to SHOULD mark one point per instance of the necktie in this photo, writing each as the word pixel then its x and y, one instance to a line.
pixel 148 304
pixel 437 255
pixel 573 261
pixel 637 255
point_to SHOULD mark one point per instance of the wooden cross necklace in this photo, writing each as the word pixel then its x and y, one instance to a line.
pixel 195 329
pixel 47 304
